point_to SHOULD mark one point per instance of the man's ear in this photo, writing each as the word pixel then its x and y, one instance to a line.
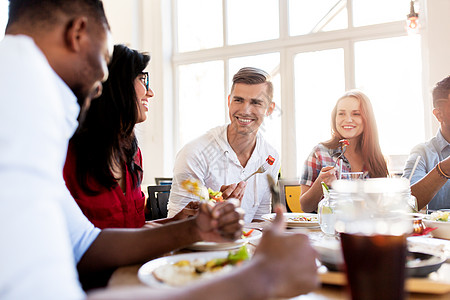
pixel 75 31
pixel 438 114
pixel 270 109
pixel 229 100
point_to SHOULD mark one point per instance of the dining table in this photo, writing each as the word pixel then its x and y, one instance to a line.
pixel 333 284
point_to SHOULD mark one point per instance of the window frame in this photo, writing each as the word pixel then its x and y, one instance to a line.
pixel 287 46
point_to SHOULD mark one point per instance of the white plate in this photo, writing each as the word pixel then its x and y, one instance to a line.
pixel 293 223
pixel 442 231
pixel 210 246
pixel 145 272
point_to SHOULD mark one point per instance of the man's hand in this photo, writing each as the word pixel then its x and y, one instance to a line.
pixel 235 190
pixel 190 210
pixel 287 259
pixel 219 223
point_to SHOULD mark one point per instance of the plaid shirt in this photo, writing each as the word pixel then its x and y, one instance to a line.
pixel 319 158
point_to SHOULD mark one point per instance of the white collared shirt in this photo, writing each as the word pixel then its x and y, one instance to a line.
pixel 211 160
pixel 43 232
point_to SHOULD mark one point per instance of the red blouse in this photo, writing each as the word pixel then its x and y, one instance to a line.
pixel 111 208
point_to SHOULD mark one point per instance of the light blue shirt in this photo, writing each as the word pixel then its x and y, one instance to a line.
pixel 432 152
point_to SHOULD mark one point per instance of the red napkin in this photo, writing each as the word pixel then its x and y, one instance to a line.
pixel 425 231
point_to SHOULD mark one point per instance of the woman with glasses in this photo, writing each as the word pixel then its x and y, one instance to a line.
pixel 103 169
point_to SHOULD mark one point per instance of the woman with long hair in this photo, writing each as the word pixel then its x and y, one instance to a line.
pixel 103 169
pixel 352 119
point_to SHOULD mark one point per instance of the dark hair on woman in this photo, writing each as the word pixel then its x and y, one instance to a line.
pixel 106 138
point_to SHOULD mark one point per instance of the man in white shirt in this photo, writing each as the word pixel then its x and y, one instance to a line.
pixel 55 52
pixel 39 86
pixel 223 157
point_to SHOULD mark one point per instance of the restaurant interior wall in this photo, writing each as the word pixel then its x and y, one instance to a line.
pixel 147 25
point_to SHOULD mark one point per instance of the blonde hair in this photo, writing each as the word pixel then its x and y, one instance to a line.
pixel 368 144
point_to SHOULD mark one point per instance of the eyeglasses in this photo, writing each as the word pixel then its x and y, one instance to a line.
pixel 145 80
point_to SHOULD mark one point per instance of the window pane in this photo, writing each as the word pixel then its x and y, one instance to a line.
pixel 369 12
pixel 389 71
pixel 199 28
pixel 3 17
pixel 252 21
pixel 271 128
pixel 306 16
pixel 201 99
pixel 319 82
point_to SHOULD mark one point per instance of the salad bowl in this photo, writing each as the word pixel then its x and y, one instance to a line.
pixel 440 221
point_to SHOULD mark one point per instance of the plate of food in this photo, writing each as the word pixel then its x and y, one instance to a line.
pixel 420 264
pixel 248 235
pixel 296 219
pixel 196 188
pixel 180 270
pixel 440 221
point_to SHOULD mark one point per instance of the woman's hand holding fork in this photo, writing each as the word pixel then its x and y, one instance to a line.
pixel 327 175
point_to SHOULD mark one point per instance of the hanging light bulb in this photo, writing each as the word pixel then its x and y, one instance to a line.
pixel 412 21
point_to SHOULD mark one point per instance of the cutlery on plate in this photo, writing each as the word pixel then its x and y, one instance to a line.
pixel 269 161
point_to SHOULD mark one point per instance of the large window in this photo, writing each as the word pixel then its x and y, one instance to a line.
pixel 201 102
pixel 251 21
pixel 319 80
pixel 307 16
pixel 315 50
pixel 395 92
pixel 193 33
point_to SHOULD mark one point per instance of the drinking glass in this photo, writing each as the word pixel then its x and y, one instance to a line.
pixel 326 212
pixel 372 219
pixel 352 175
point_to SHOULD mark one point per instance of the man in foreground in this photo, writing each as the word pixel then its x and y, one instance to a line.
pixel 222 158
pixel 54 55
pixel 430 180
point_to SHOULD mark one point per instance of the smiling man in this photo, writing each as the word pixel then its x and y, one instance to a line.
pixel 223 157
pixel 62 49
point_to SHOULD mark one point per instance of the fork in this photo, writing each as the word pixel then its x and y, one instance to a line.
pixel 261 169
pixel 344 144
pixel 269 161
pixel 339 157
